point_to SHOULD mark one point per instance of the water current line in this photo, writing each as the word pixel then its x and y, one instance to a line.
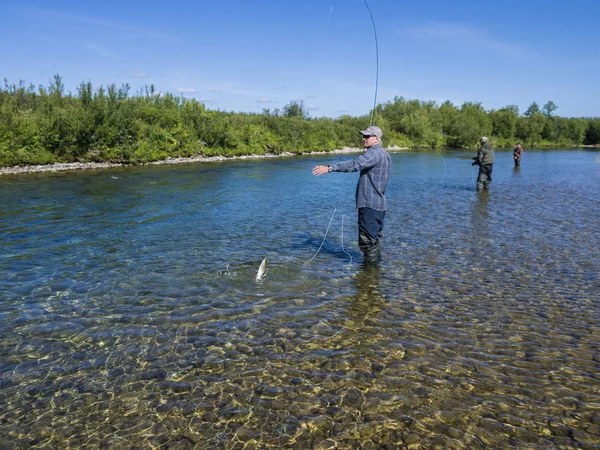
pixel 324 237
pixel 376 55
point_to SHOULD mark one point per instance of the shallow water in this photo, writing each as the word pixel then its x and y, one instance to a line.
pixel 130 316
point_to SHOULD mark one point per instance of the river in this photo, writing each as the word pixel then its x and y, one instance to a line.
pixel 131 317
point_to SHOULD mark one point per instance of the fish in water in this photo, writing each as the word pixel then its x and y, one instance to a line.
pixel 262 269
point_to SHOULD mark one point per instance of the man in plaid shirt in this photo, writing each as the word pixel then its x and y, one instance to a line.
pixel 374 166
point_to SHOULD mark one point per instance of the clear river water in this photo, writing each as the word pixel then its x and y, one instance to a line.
pixel 131 316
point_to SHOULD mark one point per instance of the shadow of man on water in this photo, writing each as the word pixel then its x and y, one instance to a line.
pixel 324 246
pixel 367 301
pixel 480 241
pixel 358 344
pixel 480 216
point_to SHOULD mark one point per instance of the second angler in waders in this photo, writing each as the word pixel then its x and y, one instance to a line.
pixel 485 161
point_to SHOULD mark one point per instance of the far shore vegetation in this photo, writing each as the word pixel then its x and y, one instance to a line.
pixel 47 125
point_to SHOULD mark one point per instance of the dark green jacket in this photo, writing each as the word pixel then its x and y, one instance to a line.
pixel 485 154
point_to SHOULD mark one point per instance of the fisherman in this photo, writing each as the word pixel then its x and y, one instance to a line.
pixel 485 161
pixel 517 154
pixel 374 166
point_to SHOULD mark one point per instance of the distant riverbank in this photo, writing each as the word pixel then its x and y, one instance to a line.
pixel 60 167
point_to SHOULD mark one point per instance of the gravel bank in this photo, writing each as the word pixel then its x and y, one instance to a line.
pixel 59 167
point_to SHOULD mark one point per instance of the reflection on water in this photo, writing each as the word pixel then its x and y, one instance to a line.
pixel 130 315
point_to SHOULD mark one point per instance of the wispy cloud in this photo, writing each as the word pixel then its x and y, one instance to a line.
pixel 101 50
pixel 136 31
pixel 466 35
pixel 187 90
pixel 49 40
pixel 264 100
pixel 141 75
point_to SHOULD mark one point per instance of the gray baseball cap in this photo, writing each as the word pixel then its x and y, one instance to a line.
pixel 372 131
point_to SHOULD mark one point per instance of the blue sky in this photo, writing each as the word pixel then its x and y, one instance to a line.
pixel 250 55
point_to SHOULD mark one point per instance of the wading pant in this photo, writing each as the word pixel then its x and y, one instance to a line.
pixel 485 177
pixel 370 226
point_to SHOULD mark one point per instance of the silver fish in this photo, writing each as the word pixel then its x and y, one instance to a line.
pixel 262 269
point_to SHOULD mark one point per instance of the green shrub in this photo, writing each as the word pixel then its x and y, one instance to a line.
pixel 108 124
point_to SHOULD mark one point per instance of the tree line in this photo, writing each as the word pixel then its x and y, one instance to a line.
pixel 46 124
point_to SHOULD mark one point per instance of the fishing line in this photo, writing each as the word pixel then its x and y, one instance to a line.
pixel 324 237
pixel 371 122
pixel 376 55
pixel 343 241
pixel 445 166
pixel 472 173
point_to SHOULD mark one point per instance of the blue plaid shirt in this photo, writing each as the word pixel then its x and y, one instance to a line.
pixel 374 165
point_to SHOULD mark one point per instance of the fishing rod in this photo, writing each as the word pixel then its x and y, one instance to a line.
pixel 262 268
pixel 376 61
pixel 376 55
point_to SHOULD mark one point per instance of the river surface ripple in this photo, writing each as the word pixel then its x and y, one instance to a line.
pixel 130 316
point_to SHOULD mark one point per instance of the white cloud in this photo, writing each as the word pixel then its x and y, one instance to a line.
pixel 264 100
pixel 186 90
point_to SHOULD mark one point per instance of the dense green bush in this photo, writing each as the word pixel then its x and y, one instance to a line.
pixel 45 125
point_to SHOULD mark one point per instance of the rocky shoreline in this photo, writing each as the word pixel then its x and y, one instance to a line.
pixel 59 167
